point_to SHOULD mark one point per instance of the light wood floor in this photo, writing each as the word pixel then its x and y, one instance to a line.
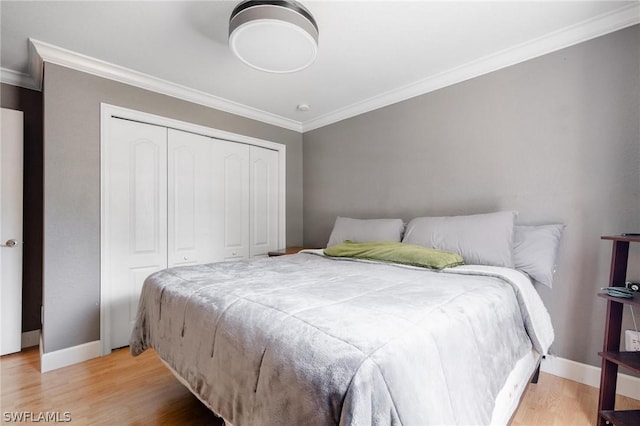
pixel 122 390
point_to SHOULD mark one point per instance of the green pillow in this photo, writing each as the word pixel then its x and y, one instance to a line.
pixel 387 251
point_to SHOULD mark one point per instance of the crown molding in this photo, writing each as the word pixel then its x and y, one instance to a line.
pixel 32 80
pixel 566 37
pixel 20 79
pixel 44 52
pixel 40 52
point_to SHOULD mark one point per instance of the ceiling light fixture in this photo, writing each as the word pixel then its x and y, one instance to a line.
pixel 273 36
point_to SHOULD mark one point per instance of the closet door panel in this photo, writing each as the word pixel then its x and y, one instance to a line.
pixel 145 198
pixel 173 198
pixel 189 199
pixel 231 195
pixel 136 220
pixel 264 201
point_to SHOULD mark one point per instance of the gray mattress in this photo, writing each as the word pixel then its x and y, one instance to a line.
pixel 305 339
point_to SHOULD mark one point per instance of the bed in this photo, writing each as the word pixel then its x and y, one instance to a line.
pixel 317 340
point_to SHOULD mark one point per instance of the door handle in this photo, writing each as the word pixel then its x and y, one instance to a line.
pixel 10 243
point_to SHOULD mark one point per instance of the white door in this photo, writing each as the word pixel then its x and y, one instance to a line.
pixel 263 210
pixel 11 164
pixel 136 217
pixel 190 199
pixel 231 198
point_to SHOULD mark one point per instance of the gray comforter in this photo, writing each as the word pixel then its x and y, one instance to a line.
pixel 308 340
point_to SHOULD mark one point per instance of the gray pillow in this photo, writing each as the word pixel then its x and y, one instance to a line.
pixel 481 239
pixel 365 230
pixel 535 248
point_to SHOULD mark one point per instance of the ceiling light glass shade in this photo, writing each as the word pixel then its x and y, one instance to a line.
pixel 273 36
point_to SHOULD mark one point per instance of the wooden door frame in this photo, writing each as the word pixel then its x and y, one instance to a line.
pixel 107 112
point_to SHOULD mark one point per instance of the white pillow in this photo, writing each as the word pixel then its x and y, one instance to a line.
pixel 365 230
pixel 535 248
pixel 481 239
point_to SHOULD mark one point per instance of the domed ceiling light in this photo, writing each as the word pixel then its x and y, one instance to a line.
pixel 273 36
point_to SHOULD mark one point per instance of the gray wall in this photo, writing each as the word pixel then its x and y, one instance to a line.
pixel 30 103
pixel 556 138
pixel 72 189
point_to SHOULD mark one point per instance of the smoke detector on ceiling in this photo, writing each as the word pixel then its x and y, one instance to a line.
pixel 273 36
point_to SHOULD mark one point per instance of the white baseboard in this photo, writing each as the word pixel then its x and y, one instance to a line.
pixel 68 356
pixel 30 338
pixel 589 375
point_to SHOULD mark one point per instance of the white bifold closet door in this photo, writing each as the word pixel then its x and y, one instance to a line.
pixel 231 189
pixel 176 198
pixel 264 201
pixel 246 193
pixel 191 230
pixel 136 219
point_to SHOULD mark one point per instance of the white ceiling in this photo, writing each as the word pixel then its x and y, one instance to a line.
pixel 371 53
